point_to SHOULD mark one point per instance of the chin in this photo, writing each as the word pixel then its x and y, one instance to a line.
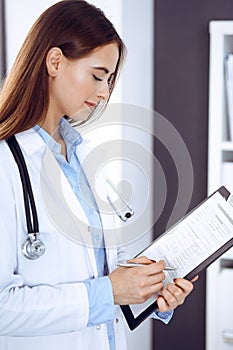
pixel 81 116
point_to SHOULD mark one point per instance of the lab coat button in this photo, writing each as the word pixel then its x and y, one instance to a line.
pixel 117 320
pixel 98 327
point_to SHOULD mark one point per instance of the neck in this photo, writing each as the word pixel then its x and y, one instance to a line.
pixel 51 125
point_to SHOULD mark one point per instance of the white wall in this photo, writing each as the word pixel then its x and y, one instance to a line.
pixel 134 21
pixel 20 15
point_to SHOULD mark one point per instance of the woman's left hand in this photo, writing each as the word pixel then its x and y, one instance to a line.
pixel 174 294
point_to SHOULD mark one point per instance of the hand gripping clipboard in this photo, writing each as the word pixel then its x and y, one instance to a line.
pixel 134 319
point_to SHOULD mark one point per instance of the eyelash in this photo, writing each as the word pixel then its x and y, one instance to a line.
pixel 100 79
pixel 96 78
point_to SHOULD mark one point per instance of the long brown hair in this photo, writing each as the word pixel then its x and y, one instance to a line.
pixel 77 28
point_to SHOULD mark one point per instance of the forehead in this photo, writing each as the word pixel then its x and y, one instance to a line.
pixel 103 56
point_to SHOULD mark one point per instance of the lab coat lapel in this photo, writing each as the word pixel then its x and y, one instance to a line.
pixel 53 180
pixel 75 210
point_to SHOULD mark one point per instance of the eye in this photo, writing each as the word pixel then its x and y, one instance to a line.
pixel 97 78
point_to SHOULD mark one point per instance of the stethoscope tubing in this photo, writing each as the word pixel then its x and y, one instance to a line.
pixel 32 224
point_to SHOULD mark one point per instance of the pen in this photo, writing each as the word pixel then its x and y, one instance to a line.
pixel 132 264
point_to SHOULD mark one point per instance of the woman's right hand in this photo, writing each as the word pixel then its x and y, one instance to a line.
pixel 134 285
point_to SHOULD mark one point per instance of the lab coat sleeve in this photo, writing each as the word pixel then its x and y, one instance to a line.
pixel 37 310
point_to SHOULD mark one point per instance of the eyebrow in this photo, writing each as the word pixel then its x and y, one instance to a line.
pixel 102 68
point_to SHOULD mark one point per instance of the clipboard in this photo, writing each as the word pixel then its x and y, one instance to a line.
pixel 134 320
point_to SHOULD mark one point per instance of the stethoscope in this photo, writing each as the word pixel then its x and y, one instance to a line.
pixel 33 247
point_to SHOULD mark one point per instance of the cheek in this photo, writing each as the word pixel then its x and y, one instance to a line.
pixel 78 86
pixel 72 90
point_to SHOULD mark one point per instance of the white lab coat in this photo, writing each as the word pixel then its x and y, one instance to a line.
pixel 43 302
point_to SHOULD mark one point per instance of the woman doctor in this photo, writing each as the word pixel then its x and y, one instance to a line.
pixel 69 297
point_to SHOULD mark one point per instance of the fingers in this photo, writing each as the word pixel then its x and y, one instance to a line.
pixel 133 285
pixel 155 267
pixel 154 279
pixel 150 265
pixel 194 279
pixel 174 294
pixel 142 260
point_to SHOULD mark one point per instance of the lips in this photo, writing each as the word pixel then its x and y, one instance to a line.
pixel 91 105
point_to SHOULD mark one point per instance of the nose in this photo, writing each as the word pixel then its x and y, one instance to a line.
pixel 103 92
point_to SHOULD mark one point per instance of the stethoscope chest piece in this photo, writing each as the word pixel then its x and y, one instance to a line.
pixel 33 247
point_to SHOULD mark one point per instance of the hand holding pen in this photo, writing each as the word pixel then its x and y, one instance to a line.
pixel 137 284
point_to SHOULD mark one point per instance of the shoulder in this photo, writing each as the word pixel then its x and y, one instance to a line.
pixel 8 170
pixel 29 142
pixel 5 153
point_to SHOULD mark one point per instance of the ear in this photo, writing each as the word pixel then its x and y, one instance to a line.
pixel 53 61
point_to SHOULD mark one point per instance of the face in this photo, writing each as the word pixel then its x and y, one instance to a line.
pixel 77 86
